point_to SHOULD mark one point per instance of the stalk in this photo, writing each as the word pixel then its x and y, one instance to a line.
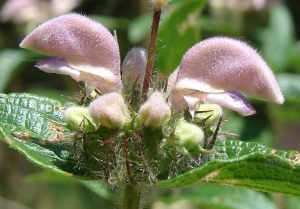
pixel 132 197
pixel 151 52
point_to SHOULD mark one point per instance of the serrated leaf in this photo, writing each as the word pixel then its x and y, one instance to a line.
pixel 220 197
pixel 179 31
pixel 35 126
pixel 246 164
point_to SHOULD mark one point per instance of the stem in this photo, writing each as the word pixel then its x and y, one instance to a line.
pixel 151 52
pixel 132 197
pixel 214 138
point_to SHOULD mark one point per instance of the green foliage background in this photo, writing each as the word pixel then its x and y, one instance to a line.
pixel 274 31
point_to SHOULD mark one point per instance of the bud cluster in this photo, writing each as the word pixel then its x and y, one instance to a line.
pixel 135 129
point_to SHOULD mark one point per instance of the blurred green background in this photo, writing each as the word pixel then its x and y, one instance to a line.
pixel 270 26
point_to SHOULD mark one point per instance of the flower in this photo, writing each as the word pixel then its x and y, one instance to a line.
pixel 135 127
pixel 216 70
pixel 81 48
pixel 33 12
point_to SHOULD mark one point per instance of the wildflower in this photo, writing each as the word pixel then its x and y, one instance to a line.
pixel 81 48
pixel 216 70
pixel 33 12
pixel 213 72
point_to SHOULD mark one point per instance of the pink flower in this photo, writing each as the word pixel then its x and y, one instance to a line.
pixel 81 48
pixel 216 70
pixel 34 12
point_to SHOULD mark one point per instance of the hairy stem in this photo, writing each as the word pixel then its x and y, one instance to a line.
pixel 151 52
pixel 132 196
pixel 214 138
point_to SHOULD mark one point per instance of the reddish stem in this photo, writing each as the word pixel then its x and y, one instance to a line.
pixel 151 52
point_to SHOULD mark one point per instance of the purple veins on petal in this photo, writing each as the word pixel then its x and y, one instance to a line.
pixel 86 45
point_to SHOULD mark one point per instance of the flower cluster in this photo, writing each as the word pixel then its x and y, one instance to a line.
pixel 213 73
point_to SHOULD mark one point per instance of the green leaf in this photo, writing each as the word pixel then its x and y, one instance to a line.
pixel 220 197
pixel 140 28
pixel 178 31
pixel 289 84
pixel 278 39
pixel 9 59
pixel 246 164
pixel 292 203
pixel 98 187
pixel 35 126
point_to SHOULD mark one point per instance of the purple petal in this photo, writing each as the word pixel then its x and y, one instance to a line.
pixel 58 65
pixel 86 45
pixel 232 100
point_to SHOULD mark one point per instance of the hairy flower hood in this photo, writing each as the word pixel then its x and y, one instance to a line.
pixel 216 70
pixel 81 48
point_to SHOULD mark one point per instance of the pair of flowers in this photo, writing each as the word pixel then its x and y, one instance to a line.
pixel 214 71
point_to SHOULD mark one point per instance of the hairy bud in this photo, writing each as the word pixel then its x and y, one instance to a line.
pixel 208 113
pixel 80 117
pixel 190 136
pixel 155 111
pixel 110 110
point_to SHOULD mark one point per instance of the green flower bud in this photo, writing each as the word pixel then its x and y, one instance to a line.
pixel 208 113
pixel 190 136
pixel 110 110
pixel 155 111
pixel 80 117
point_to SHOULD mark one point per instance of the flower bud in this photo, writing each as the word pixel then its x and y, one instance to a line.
pixel 159 4
pixel 155 111
pixel 76 115
pixel 208 113
pixel 110 110
pixel 190 136
pixel 133 69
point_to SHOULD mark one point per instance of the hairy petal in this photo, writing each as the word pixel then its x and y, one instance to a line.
pixel 86 45
pixel 219 64
pixel 171 80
